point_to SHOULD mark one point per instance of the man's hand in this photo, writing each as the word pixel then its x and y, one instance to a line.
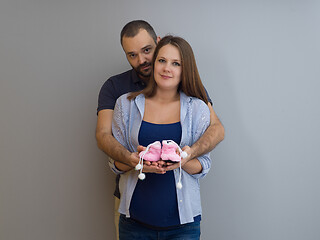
pixel 187 150
pixel 134 159
pixel 141 148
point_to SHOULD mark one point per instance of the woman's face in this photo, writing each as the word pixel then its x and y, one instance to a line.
pixel 167 68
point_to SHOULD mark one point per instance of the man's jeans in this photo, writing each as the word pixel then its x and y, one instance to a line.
pixel 131 230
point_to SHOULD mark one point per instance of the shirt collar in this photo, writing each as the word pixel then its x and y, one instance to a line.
pixel 184 102
pixel 140 101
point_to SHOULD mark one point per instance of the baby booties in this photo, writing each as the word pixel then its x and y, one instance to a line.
pixel 154 152
pixel 168 151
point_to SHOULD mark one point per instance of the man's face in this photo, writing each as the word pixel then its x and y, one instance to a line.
pixel 139 51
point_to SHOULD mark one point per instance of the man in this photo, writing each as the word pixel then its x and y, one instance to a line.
pixel 138 41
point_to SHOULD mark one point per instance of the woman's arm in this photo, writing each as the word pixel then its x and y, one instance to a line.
pixel 199 166
pixel 119 132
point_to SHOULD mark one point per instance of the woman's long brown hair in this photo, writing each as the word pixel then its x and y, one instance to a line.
pixel 190 83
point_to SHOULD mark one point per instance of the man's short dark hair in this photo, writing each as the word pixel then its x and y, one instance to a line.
pixel 132 28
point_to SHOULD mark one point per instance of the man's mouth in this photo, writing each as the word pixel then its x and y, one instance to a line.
pixel 145 66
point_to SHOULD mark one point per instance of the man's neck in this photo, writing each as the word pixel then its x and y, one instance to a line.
pixel 143 78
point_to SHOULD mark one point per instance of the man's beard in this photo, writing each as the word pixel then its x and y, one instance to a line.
pixel 143 73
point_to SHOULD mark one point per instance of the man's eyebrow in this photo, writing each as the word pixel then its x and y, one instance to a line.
pixel 145 47
pixel 148 46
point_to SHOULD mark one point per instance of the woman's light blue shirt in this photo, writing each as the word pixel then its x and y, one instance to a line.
pixel 194 118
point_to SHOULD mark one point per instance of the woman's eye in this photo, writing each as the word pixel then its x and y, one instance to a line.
pixel 176 64
pixel 161 60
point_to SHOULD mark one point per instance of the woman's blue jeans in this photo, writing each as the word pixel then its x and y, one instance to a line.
pixel 131 230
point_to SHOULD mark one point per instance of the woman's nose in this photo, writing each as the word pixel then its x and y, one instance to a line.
pixel 166 67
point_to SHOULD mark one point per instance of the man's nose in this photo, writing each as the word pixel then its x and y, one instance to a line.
pixel 141 59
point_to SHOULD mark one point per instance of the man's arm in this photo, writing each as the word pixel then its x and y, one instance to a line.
pixel 108 144
pixel 192 166
pixel 209 140
pixel 124 159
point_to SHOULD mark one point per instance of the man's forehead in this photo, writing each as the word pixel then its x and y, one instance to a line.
pixel 139 42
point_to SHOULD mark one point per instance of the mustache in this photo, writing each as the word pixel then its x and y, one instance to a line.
pixel 145 64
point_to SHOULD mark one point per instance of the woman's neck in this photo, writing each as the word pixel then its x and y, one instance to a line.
pixel 163 107
pixel 166 95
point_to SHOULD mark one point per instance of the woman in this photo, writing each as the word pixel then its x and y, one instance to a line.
pixel 172 106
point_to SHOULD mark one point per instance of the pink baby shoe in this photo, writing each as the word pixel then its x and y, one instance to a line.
pixel 152 153
pixel 168 152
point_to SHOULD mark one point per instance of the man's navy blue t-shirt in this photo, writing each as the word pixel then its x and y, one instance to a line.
pixel 118 85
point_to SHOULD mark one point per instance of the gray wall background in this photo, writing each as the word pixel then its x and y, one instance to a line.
pixel 260 63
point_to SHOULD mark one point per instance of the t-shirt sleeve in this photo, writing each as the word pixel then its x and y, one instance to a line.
pixel 107 96
pixel 209 99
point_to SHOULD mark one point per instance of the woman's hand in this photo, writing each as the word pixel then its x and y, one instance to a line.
pixel 152 167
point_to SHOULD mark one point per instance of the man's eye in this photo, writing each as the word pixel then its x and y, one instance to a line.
pixel 147 50
pixel 132 55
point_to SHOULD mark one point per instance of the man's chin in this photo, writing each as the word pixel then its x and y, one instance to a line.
pixel 144 75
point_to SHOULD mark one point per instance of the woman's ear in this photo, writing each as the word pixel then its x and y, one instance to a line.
pixel 158 39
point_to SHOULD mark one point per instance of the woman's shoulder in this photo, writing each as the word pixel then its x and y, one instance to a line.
pixel 198 101
pixel 123 99
pixel 195 102
pixel 199 105
pixel 124 102
pixel 126 95
pixel 194 106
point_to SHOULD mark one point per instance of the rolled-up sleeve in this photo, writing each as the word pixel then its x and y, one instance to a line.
pixel 113 167
pixel 201 116
pixel 118 129
pixel 205 162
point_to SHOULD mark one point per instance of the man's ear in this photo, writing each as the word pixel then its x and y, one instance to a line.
pixel 158 39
